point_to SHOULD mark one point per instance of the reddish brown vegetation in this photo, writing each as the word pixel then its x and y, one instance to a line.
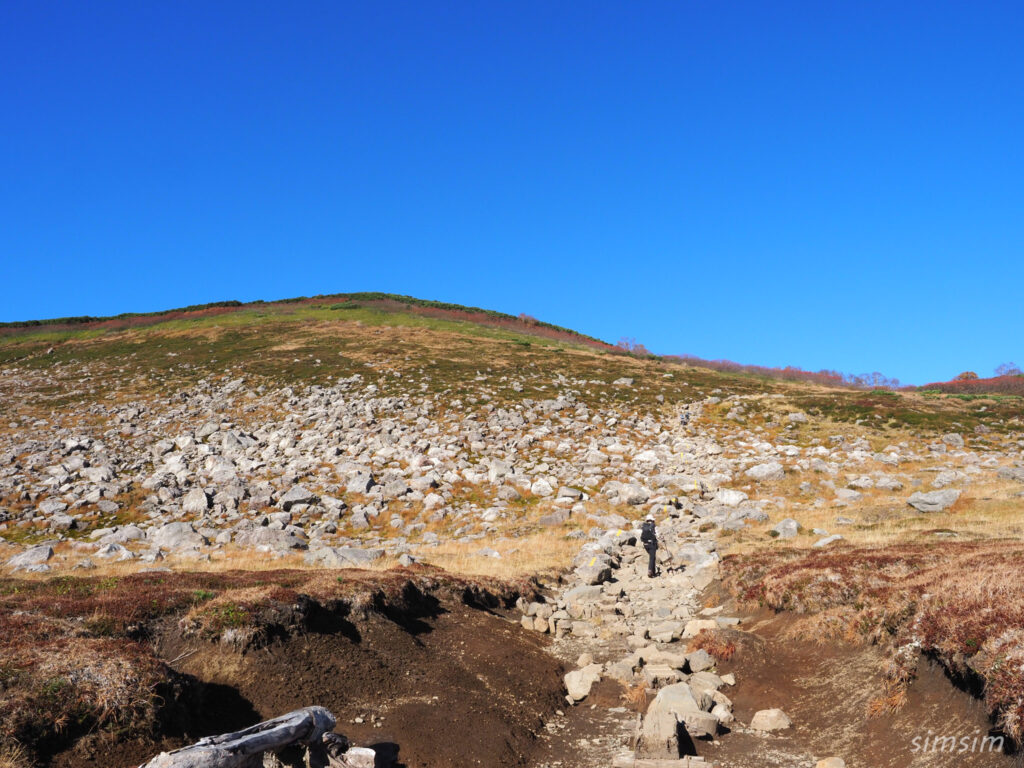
pixel 962 603
pixel 997 385
pixel 714 643
pixel 791 373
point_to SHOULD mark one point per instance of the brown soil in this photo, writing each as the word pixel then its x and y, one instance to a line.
pixel 461 686
pixel 826 690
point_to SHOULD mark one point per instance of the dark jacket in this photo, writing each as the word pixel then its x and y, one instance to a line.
pixel 648 536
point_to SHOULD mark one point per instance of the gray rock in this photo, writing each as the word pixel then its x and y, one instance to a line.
pixel 827 540
pixel 557 517
pixel 1011 473
pixel 361 482
pixel 634 494
pixel 770 720
pixel 30 557
pixel 933 501
pixel 773 470
pixel 343 557
pixel 699 661
pixel 730 498
pixel 593 574
pixel 51 506
pixel 108 507
pixel 276 539
pixel 196 502
pixel 787 529
pixel 658 737
pixel 542 487
pixel 122 535
pixel 114 552
pixel 296 495
pixel 579 682
pixel 953 440
pixel 176 536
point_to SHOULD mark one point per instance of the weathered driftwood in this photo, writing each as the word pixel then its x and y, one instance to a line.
pixel 244 749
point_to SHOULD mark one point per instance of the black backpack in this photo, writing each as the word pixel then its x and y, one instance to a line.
pixel 647 532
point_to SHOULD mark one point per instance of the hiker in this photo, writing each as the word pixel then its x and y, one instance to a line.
pixel 649 538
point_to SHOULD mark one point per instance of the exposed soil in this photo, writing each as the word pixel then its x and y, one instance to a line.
pixel 826 690
pixel 454 686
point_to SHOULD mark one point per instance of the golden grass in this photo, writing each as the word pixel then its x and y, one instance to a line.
pixel 541 552
pixel 987 509
pixel 14 755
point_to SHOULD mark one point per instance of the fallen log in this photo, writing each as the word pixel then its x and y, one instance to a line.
pixel 244 749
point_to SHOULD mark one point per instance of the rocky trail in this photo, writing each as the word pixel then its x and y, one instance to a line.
pixel 646 694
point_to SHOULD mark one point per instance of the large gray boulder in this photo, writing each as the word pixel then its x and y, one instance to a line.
pixel 598 573
pixel 770 720
pixel 176 536
pixel 276 539
pixel 196 502
pixel 343 557
pixel 122 535
pixel 787 528
pixel 62 522
pixel 773 470
pixel 658 737
pixel 51 506
pixel 579 682
pixel 1011 473
pixel 361 482
pixel 934 501
pixel 634 494
pixel 30 558
pixel 297 495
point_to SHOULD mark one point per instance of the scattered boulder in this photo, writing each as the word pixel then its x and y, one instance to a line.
pixel 787 529
pixel 30 558
pixel 579 682
pixel 297 495
pixel 768 720
pixel 196 502
pixel 933 501
pixel 176 536
pixel 820 543
pixel 773 470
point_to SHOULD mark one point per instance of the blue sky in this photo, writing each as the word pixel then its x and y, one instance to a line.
pixel 828 185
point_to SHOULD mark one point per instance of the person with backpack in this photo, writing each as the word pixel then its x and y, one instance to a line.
pixel 649 538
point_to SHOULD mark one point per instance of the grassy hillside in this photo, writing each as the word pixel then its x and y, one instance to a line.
pixel 384 337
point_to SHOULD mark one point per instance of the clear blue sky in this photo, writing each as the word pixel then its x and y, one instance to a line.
pixel 828 185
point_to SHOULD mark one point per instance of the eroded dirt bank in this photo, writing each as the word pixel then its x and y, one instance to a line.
pixel 828 689
pixel 428 668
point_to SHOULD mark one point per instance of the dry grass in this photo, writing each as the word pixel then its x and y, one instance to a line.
pixel 14 755
pixel 543 552
pixel 962 602
pixel 714 643
pixel 989 509
pixel 634 698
